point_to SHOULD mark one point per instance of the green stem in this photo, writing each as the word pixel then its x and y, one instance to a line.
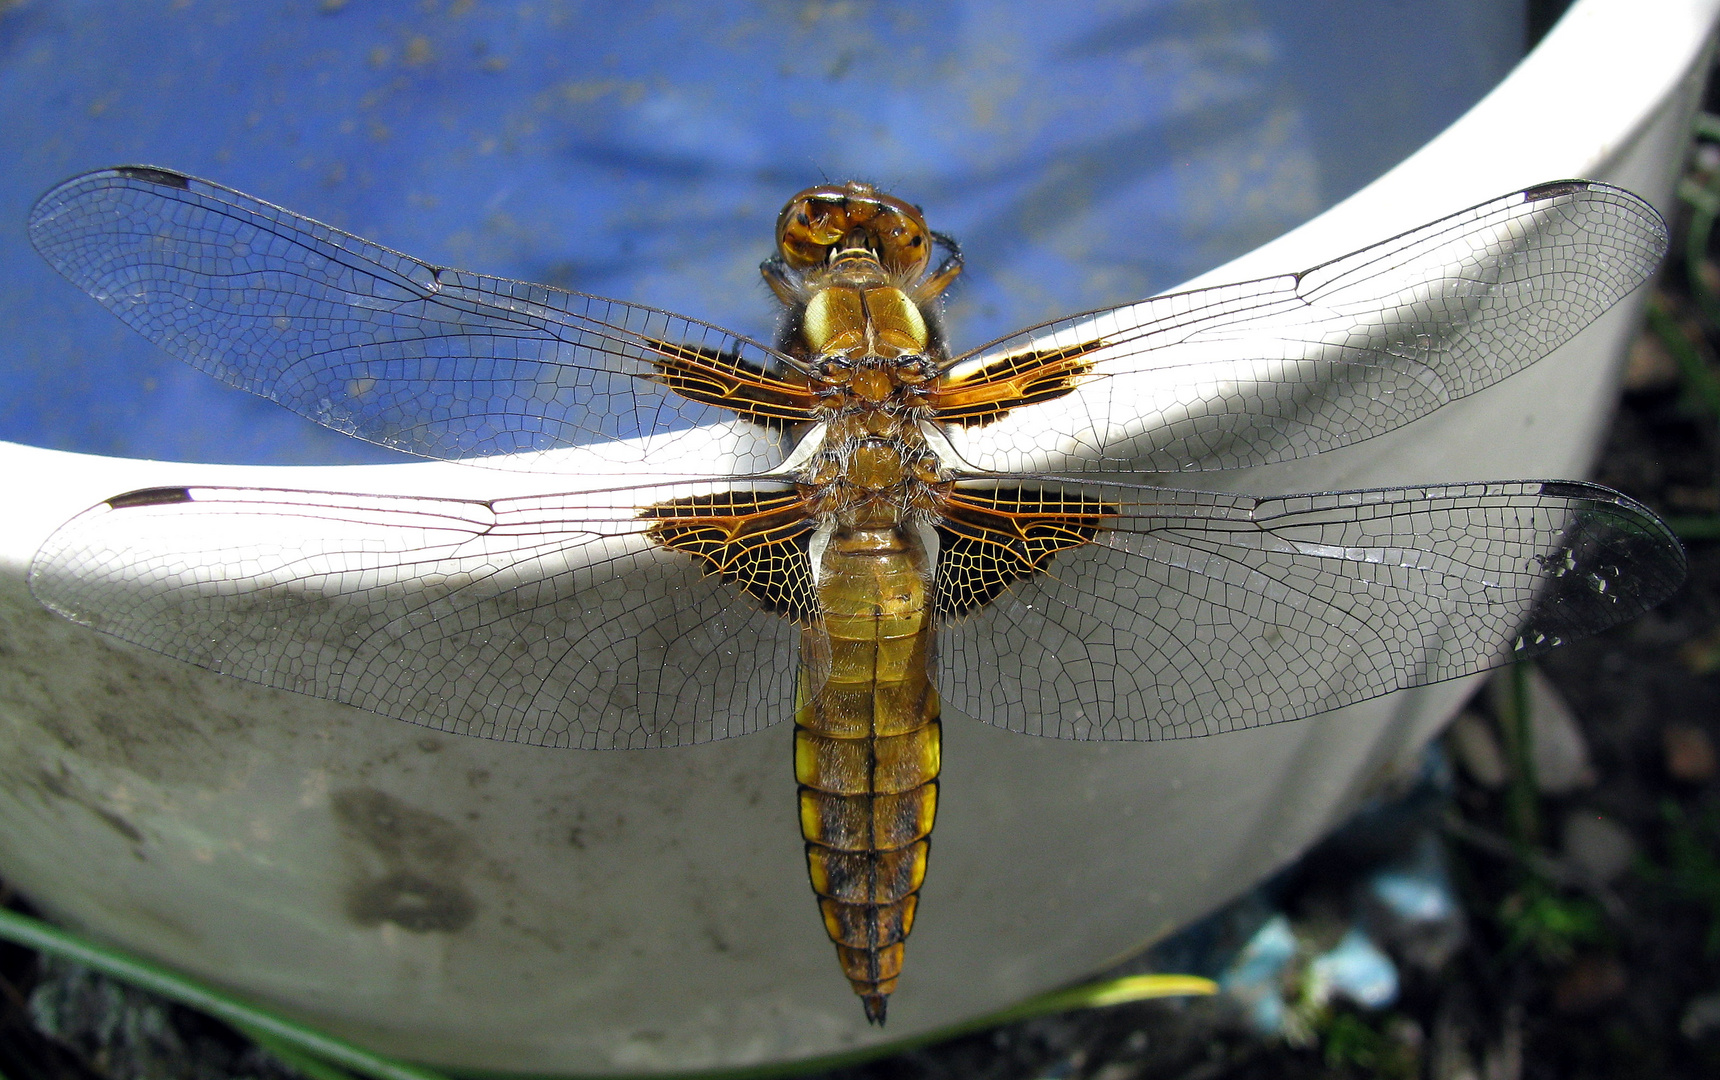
pixel 1703 198
pixel 1520 798
pixel 311 1051
pixel 38 935
pixel 300 1062
pixel 1702 193
pixel 1704 527
pixel 1099 995
pixel 1698 377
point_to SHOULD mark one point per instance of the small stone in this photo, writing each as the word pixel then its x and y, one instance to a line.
pixel 121 1031
pixel 1410 906
pixel 1407 1032
pixel 1651 365
pixel 1253 979
pixel 1701 655
pixel 1709 275
pixel 1689 753
pixel 1701 1017
pixel 1560 753
pixel 1449 1057
pixel 1473 744
pixel 1355 968
pixel 1589 983
pixel 1598 844
pixel 1685 498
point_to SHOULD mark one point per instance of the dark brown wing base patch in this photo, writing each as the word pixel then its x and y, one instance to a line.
pixel 990 538
pixel 1025 378
pixel 755 539
pixel 721 378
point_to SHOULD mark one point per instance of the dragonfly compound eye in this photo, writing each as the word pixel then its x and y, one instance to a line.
pixel 820 219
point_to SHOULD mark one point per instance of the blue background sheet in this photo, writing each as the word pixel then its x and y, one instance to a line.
pixel 1084 155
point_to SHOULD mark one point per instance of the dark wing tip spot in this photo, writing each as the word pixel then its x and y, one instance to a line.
pixel 150 174
pixel 1554 189
pixel 1573 489
pixel 161 496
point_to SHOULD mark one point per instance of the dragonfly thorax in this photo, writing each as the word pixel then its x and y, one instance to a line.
pixel 868 339
pixel 874 470
pixel 862 318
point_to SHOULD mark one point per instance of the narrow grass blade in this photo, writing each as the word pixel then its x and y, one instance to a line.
pixel 36 934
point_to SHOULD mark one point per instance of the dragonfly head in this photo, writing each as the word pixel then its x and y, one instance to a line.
pixel 845 220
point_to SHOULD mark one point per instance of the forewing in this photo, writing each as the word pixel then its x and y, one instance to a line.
pixel 1286 367
pixel 437 362
pixel 553 620
pixel 1195 613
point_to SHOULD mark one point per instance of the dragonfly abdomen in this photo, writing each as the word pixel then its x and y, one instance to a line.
pixel 866 750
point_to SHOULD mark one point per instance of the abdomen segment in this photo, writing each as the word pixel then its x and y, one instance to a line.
pixel 867 749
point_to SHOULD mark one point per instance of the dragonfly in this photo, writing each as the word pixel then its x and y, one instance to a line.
pixel 851 524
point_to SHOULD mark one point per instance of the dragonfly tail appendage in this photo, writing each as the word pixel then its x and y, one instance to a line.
pixel 866 753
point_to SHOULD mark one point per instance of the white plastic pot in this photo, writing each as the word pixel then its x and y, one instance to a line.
pixel 487 905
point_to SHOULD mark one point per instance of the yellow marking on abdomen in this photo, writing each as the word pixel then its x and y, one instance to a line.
pixel 867 751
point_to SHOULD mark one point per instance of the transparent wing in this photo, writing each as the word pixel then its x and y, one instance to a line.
pixel 1196 613
pixel 376 344
pixel 1290 366
pixel 551 620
